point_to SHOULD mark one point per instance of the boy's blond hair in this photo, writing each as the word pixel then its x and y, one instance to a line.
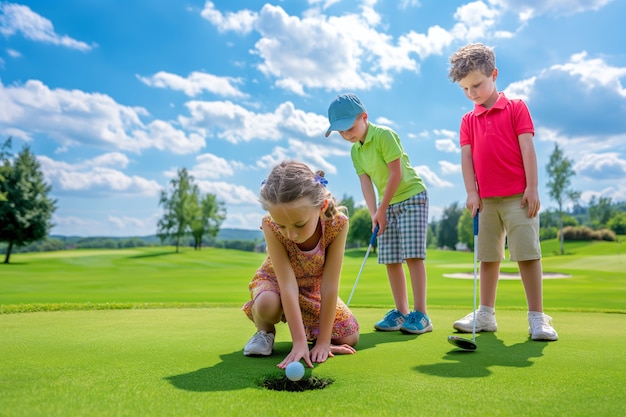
pixel 472 57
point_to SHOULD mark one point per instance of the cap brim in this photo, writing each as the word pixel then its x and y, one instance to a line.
pixel 341 124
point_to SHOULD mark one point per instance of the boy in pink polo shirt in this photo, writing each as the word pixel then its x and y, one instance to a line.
pixel 500 174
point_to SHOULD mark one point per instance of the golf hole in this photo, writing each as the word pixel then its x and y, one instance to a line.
pixel 282 383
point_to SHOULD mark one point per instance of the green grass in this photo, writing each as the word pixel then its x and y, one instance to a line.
pixel 148 332
pixel 189 362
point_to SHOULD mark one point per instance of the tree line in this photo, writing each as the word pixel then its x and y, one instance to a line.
pixel 191 218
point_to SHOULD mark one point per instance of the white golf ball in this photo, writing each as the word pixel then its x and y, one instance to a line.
pixel 294 371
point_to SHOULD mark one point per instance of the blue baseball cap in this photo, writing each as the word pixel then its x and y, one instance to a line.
pixel 343 111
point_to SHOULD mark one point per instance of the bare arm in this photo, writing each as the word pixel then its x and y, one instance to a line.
pixel 529 158
pixel 473 202
pixel 329 293
pixel 369 195
pixel 289 297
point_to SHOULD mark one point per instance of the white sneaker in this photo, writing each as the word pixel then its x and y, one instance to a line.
pixel 261 344
pixel 485 322
pixel 540 327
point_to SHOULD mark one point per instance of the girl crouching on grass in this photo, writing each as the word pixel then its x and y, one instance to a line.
pixel 305 233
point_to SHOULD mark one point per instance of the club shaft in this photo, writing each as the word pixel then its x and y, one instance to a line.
pixel 475 273
pixel 369 248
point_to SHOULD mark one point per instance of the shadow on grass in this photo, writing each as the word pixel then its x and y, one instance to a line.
pixel 491 352
pixel 236 371
pixel 152 254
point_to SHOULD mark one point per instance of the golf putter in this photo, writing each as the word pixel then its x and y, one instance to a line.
pixel 461 342
pixel 369 248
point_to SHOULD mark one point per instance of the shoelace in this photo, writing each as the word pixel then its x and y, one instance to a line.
pixel 543 320
pixel 262 337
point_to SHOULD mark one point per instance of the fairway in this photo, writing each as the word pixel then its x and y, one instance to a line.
pixel 151 332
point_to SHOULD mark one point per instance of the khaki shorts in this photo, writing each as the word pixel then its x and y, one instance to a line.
pixel 503 217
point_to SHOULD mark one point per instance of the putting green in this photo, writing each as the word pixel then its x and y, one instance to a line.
pixel 183 362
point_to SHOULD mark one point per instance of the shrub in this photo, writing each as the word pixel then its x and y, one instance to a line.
pixel 546 233
pixel 587 233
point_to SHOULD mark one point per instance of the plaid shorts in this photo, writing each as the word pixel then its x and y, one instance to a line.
pixel 405 235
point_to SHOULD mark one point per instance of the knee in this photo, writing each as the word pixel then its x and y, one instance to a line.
pixel 351 340
pixel 267 306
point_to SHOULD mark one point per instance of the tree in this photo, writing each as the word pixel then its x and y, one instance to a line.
pixel 360 231
pixel 348 203
pixel 447 234
pixel 207 215
pixel 25 215
pixel 600 211
pixel 4 169
pixel 176 206
pixel 560 172
pixel 618 223
pixel 187 211
pixel 465 229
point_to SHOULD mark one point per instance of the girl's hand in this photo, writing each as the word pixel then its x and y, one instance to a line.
pixel 321 352
pixel 295 355
pixel 342 350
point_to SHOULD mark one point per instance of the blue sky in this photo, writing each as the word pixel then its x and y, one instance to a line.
pixel 114 97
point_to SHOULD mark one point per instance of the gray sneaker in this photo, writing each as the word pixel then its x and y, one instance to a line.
pixel 540 327
pixel 261 344
pixel 485 322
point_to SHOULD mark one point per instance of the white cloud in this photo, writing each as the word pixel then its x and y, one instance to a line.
pixel 528 9
pixel 234 123
pixel 240 22
pixel 210 166
pixel 229 193
pixel 449 168
pixel 195 83
pixel 447 145
pixel 605 166
pixel 476 21
pixel 338 53
pixel 522 89
pixel 98 174
pixel 430 178
pixel 594 73
pixel 15 18
pixel 316 155
pixel 381 120
pixel 74 117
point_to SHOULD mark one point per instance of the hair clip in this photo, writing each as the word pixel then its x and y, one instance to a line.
pixel 263 182
pixel 321 180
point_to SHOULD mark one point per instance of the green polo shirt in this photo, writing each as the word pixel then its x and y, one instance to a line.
pixel 382 145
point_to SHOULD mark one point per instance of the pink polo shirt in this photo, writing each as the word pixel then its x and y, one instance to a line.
pixel 493 135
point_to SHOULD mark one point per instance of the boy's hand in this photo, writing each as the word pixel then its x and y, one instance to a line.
pixel 473 203
pixel 531 199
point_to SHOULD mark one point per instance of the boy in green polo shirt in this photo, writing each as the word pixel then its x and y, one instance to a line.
pixel 401 213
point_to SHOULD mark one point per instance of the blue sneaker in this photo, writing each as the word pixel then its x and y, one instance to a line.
pixel 416 323
pixel 392 321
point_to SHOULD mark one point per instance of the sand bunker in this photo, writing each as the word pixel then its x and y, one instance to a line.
pixel 507 275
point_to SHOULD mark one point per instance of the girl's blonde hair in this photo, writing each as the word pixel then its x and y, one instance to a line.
pixel 291 180
pixel 470 58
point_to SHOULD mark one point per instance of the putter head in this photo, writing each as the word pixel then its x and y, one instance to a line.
pixel 462 343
